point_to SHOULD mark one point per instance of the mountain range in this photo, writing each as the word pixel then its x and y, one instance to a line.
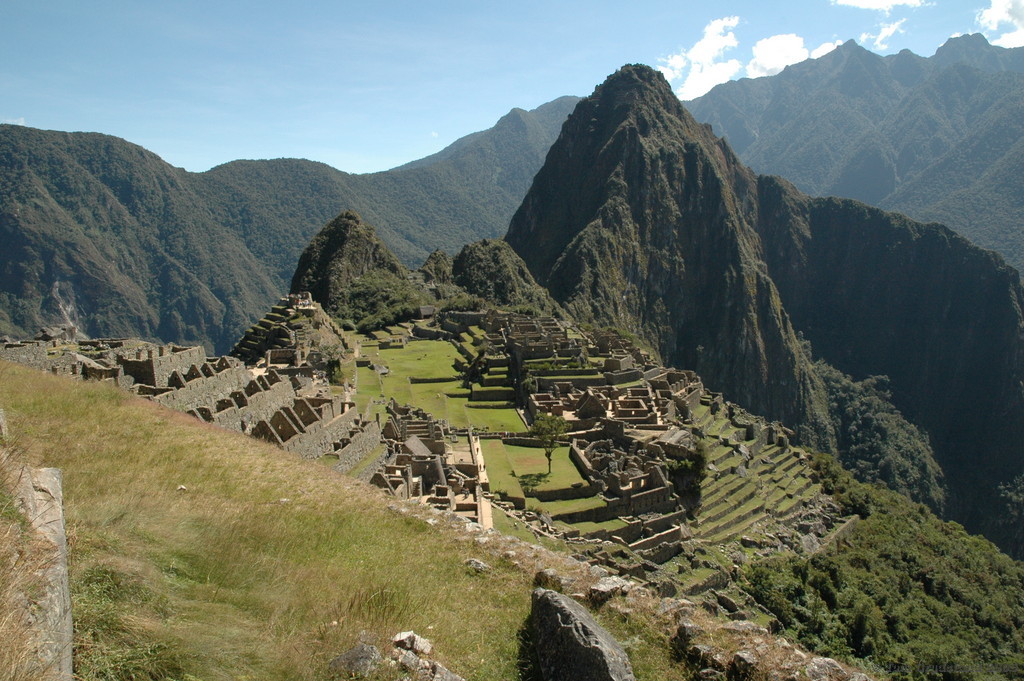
pixel 104 234
pixel 940 138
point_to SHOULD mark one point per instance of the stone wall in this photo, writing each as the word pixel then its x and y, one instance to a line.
pixel 41 500
pixel 252 408
pixel 205 391
pixel 29 354
pixel 429 333
pixel 358 448
pixel 580 492
pixel 155 366
pixel 320 436
pixel 624 376
pixel 545 384
pixel 841 533
pixel 670 535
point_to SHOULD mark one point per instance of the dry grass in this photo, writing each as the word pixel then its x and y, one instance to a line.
pixel 226 580
pixel 265 566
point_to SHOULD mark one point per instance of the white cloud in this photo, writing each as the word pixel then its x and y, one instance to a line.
pixel 433 134
pixel 879 5
pixel 885 31
pixel 14 121
pixel 773 54
pixel 703 64
pixel 1004 12
pixel 825 48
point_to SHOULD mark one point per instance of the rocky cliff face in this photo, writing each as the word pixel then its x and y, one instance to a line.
pixel 642 219
pixel 877 293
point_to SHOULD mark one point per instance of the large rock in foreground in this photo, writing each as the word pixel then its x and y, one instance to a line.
pixel 571 644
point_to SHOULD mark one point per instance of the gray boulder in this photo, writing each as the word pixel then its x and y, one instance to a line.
pixel 442 673
pixel 410 640
pixel 743 666
pixel 571 645
pixel 825 669
pixel 359 661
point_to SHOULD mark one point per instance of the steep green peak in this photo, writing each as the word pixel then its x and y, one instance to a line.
pixel 615 153
pixel 493 271
pixel 639 94
pixel 437 268
pixel 344 250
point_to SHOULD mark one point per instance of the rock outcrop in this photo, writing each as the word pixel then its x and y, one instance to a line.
pixel 572 645
pixel 40 498
pixel 344 250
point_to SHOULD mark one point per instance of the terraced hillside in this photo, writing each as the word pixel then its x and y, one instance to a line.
pixel 755 487
pixel 743 494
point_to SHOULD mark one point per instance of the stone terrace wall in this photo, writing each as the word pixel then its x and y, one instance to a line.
pixel 361 445
pixel 260 405
pixel 318 438
pixel 205 391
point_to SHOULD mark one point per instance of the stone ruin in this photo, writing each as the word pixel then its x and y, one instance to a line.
pixel 427 462
pixel 290 337
pixel 292 410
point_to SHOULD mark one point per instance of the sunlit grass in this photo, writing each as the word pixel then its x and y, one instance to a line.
pixel 430 360
pixel 532 461
pixel 244 572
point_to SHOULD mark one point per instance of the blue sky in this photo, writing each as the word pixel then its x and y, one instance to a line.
pixel 370 85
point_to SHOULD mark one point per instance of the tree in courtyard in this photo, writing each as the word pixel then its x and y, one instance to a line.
pixel 548 428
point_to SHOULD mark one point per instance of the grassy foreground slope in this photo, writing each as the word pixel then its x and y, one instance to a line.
pixel 266 566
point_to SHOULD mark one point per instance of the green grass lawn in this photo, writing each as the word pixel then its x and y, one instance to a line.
pixel 499 470
pixel 494 420
pixel 530 461
pixel 367 387
pixel 422 359
pixel 429 359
